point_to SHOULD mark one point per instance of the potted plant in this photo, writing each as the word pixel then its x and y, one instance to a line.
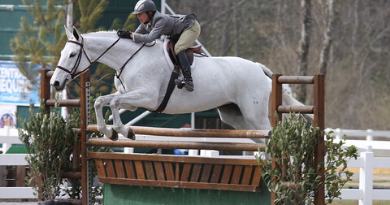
pixel 49 140
pixel 295 179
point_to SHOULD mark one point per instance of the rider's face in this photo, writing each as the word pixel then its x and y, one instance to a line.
pixel 143 17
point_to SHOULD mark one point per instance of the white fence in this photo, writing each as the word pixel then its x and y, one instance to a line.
pixel 7 138
pixel 366 194
pixel 367 142
pixel 366 162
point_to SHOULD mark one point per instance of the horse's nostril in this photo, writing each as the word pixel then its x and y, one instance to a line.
pixel 56 84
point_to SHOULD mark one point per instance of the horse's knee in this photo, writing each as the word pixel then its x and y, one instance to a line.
pixel 98 103
pixel 116 127
pixel 114 104
pixel 101 128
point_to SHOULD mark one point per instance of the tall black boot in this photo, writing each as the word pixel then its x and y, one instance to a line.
pixel 186 69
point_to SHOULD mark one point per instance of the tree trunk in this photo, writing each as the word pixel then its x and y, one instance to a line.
pixel 324 57
pixel 303 50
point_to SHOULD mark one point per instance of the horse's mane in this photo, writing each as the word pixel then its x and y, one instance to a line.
pixel 108 33
pixel 100 32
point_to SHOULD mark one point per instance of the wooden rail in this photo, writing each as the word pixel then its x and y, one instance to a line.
pixel 178 171
pixel 194 132
pixel 175 145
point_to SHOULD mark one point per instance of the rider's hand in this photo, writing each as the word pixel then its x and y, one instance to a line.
pixel 124 34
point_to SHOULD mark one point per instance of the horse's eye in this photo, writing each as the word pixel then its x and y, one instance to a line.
pixel 72 55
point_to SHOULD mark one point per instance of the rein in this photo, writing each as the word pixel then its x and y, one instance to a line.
pixel 123 66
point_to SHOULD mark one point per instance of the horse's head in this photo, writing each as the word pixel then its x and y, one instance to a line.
pixel 73 61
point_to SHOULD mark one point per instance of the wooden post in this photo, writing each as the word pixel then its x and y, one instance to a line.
pixel 20 176
pixel 84 78
pixel 276 101
pixel 319 115
pixel 45 87
pixel 45 95
pixel 276 97
pixel 319 121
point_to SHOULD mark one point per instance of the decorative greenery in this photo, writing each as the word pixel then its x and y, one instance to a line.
pixel 295 179
pixel 49 140
pixel 74 190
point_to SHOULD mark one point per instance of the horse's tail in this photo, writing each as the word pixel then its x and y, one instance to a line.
pixel 266 70
pixel 288 99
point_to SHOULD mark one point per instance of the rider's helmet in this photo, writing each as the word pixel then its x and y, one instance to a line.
pixel 144 5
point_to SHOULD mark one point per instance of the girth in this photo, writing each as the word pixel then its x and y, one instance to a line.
pixel 175 73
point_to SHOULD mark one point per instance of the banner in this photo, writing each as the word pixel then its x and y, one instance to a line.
pixel 13 86
pixel 7 116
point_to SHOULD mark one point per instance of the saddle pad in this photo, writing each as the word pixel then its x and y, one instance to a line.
pixel 166 53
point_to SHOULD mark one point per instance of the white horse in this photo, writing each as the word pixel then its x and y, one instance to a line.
pixel 239 88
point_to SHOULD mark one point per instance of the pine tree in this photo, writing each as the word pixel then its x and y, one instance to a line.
pixel 39 42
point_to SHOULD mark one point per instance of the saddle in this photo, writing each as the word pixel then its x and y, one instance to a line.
pixel 189 52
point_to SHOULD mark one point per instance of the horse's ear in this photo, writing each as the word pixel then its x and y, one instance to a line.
pixel 68 33
pixel 76 33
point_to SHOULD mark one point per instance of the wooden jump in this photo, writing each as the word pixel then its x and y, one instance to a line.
pixel 183 171
pixel 180 171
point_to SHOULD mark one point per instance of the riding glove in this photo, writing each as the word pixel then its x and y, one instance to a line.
pixel 124 34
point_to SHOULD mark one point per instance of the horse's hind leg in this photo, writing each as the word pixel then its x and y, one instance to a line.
pixel 231 115
pixel 256 114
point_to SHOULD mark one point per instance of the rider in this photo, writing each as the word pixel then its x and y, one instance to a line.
pixel 183 29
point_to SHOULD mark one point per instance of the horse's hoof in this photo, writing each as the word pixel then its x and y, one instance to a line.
pixel 114 136
pixel 131 134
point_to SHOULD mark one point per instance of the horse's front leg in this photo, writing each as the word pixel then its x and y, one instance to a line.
pixel 101 125
pixel 129 101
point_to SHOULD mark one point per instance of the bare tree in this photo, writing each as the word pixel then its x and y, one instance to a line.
pixel 351 48
pixel 303 49
pixel 324 57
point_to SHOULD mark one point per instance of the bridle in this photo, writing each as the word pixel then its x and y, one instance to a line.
pixel 73 72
